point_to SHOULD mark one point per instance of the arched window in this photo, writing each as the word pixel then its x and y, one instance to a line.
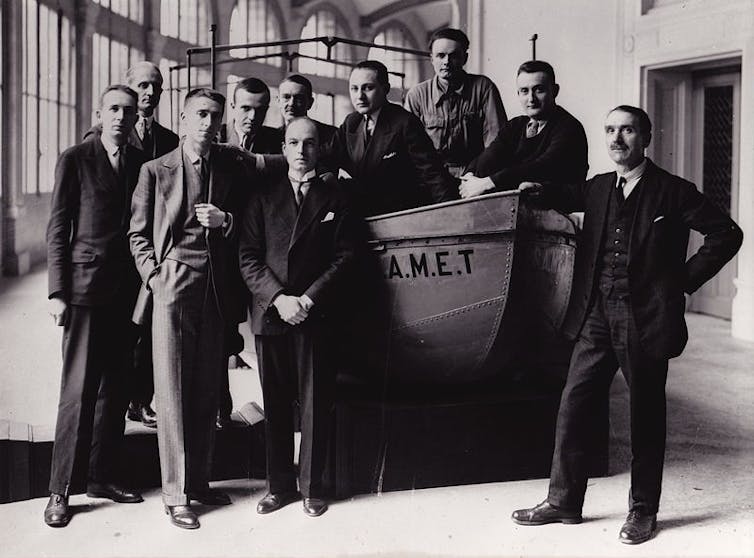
pixel 407 64
pixel 255 21
pixel 132 9
pixel 323 23
pixel 187 20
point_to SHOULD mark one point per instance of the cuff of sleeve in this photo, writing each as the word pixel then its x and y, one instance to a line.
pixel 228 224
pixel 308 302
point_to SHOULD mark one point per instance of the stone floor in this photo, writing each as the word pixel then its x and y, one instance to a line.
pixel 707 507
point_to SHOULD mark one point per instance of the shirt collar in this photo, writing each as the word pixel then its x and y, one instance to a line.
pixel 438 91
pixel 148 120
pixel 635 173
pixel 374 115
pixel 192 156
pixel 306 178
pixel 110 147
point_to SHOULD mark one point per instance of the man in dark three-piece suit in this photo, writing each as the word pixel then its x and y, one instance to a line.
pixel 92 290
pixel 183 220
pixel 627 310
pixel 386 150
pixel 251 101
pixel 545 144
pixel 297 241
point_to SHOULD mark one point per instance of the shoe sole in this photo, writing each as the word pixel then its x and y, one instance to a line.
pixel 57 525
pixel 638 541
pixel 181 525
pixel 315 514
pixel 566 521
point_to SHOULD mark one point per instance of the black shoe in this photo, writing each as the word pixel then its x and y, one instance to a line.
pixel 113 492
pixel 57 513
pixel 273 502
pixel 545 513
pixel 314 507
pixel 183 517
pixel 638 528
pixel 210 497
pixel 142 413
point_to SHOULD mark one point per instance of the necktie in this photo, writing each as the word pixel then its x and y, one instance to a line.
pixel 532 128
pixel 368 128
pixel 299 192
pixel 619 189
pixel 204 177
pixel 247 142
pixel 120 164
pixel 141 128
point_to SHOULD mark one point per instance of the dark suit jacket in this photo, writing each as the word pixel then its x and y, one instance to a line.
pixel 157 223
pixel 561 155
pixel 285 252
pixel 87 250
pixel 164 140
pixel 658 272
pixel 267 141
pixel 399 169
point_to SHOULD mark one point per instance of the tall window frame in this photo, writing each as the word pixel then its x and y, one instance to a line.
pixel 407 64
pixel 131 9
pixel 48 100
pixel 256 21
pixel 110 60
pixel 325 22
pixel 186 20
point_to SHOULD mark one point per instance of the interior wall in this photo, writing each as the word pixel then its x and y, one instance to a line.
pixel 576 36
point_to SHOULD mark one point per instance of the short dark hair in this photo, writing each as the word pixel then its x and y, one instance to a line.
pixel 645 124
pixel 252 85
pixel 207 93
pixel 302 81
pixel 378 67
pixel 533 66
pixel 119 87
pixel 452 34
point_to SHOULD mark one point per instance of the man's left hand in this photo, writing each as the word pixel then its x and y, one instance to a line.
pixel 209 216
pixel 472 186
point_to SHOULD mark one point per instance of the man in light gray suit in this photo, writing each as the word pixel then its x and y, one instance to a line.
pixel 182 229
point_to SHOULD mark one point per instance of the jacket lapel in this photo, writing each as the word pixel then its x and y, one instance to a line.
pixel 356 142
pixel 105 171
pixel 649 191
pixel 382 136
pixel 170 184
pixel 315 198
pixel 219 182
pixel 283 207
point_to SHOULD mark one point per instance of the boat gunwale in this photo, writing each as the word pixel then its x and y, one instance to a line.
pixel 505 194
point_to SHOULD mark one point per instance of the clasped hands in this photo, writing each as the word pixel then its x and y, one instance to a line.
pixel 293 309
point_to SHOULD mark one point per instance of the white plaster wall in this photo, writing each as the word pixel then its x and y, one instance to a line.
pixel 578 37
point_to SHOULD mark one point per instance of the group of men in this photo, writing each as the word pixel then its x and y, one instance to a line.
pixel 180 236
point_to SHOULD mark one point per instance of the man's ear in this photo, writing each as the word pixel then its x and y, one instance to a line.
pixel 309 103
pixel 555 90
pixel 98 115
pixel 465 58
pixel 647 140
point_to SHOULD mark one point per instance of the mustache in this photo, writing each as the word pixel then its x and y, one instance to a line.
pixel 618 146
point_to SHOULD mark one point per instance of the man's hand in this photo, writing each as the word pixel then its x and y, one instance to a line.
pixel 209 216
pixel 530 187
pixel 58 309
pixel 291 309
pixel 472 186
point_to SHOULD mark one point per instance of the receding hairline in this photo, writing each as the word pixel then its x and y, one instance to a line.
pixel 143 65
pixel 302 120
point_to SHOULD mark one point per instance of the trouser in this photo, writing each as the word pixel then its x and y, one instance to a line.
pixel 142 383
pixel 97 344
pixel 609 340
pixel 188 358
pixel 296 366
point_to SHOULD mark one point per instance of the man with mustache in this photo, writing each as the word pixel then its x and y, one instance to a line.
pixel 627 310
pixel 461 112
pixel 547 144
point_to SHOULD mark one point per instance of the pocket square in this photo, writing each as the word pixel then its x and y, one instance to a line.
pixel 390 155
pixel 329 217
pixel 342 173
pixel 660 218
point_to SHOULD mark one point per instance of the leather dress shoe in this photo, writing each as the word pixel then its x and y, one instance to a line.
pixel 143 414
pixel 113 492
pixel 638 528
pixel 57 512
pixel 210 497
pixel 314 507
pixel 545 513
pixel 273 502
pixel 183 517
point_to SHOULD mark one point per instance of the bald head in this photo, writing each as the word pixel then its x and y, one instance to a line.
pixel 146 79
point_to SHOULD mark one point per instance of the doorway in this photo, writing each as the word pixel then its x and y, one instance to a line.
pixel 696 114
